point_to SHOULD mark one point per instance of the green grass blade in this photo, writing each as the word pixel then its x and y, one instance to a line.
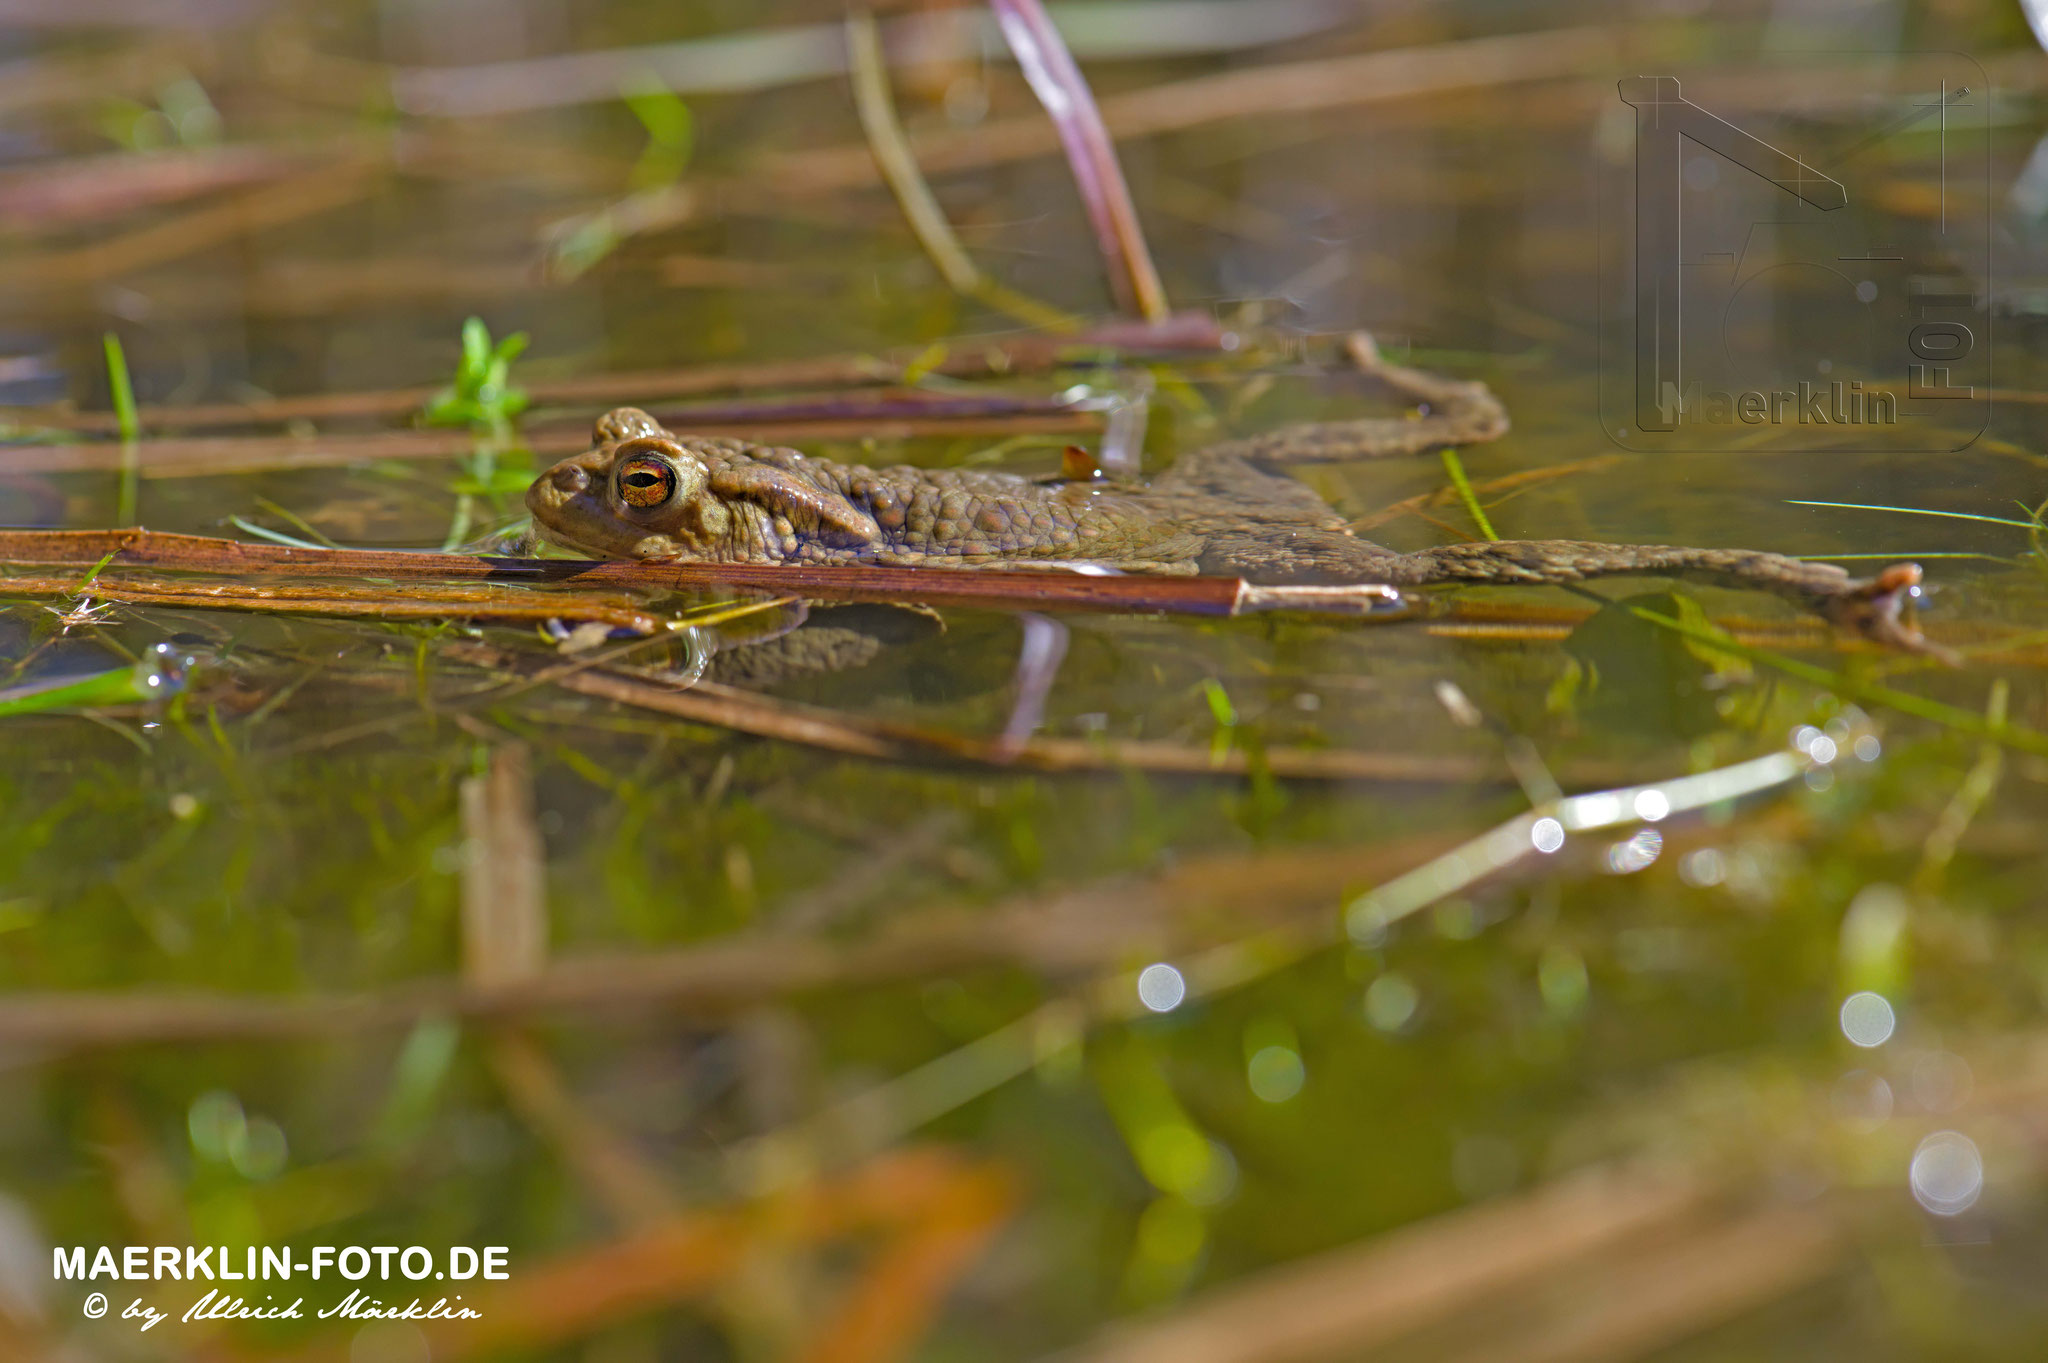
pixel 1908 554
pixel 1463 484
pixel 1914 511
pixel 117 687
pixel 118 384
pixel 1871 693
pixel 129 488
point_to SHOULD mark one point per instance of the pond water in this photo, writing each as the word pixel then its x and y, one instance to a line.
pixel 824 1025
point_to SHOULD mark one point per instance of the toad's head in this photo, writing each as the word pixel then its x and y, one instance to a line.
pixel 644 492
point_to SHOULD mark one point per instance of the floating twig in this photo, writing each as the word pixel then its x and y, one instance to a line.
pixel 1029 589
pixel 417 601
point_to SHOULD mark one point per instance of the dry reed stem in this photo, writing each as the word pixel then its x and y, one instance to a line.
pixel 1644 1299
pixel 504 875
pixel 1274 88
pixel 1029 589
pixel 271 205
pixel 104 185
pixel 414 602
pixel 200 457
pixel 1351 1300
pixel 957 357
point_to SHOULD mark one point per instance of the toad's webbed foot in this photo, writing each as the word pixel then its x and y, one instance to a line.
pixel 1873 608
pixel 1870 607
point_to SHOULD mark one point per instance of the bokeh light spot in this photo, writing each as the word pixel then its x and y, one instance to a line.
pixel 1947 1173
pixel 1161 988
pixel 1867 1018
pixel 1275 1074
pixel 1390 1002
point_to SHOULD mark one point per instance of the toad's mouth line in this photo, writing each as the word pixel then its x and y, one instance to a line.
pixel 564 539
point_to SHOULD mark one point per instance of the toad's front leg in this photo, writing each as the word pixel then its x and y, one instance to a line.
pixel 1452 412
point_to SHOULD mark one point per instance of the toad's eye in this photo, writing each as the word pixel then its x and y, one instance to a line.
pixel 645 481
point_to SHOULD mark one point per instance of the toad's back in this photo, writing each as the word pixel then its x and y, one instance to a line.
pixel 646 492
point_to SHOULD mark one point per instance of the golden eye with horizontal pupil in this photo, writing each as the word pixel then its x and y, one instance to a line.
pixel 645 480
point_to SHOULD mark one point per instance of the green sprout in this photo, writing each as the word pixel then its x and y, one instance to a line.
pixel 1225 714
pixel 671 132
pixel 118 384
pixel 483 398
pixel 583 241
pixel 482 393
pixel 183 116
pixel 129 489
pixel 1456 469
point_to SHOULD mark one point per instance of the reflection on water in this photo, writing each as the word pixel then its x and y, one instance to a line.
pixel 851 1040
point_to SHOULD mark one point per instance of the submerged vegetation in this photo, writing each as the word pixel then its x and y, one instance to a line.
pixel 1050 964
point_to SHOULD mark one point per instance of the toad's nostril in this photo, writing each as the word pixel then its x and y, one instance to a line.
pixel 570 478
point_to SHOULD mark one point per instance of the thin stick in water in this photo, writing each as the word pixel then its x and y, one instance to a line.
pixel 920 207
